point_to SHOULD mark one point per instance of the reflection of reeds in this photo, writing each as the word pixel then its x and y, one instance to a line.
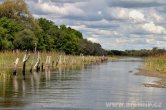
pixel 156 63
pixel 8 58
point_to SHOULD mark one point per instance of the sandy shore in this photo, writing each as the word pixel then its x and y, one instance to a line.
pixel 158 84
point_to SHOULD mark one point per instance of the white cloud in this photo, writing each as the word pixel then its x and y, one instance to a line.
pixel 156 17
pixel 118 13
pixel 94 40
pixel 127 14
pixel 96 32
pixel 151 27
pixel 62 10
pixel 121 41
pixel 161 44
pixel 136 16
pixel 151 41
pixel 99 12
pixel 102 22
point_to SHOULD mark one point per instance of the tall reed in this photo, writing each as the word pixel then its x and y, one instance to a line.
pixel 156 63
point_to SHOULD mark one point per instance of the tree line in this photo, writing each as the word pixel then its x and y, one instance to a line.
pixel 140 53
pixel 20 30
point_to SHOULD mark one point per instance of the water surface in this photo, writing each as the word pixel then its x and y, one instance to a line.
pixel 111 85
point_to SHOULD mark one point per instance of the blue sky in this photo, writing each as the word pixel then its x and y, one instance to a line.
pixel 115 24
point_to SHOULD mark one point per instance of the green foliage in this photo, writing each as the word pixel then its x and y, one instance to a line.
pixel 10 25
pixel 67 43
pixel 45 24
pixel 7 30
pixel 25 40
pixel 89 48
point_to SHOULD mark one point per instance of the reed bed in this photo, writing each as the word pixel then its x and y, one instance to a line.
pixel 57 59
pixel 156 63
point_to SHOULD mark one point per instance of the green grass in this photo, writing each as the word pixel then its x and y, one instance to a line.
pixel 156 63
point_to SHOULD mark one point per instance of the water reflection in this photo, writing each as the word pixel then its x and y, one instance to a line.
pixel 36 77
pixel 15 85
pixel 85 87
pixel 23 88
pixel 32 83
pixel 47 74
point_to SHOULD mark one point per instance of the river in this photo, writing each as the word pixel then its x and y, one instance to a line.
pixel 108 86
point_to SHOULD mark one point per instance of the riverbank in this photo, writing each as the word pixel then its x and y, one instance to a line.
pixel 161 83
pixel 155 66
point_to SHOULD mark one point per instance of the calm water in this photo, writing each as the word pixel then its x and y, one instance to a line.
pixel 110 85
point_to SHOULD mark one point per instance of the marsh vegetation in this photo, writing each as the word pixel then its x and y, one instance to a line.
pixel 50 60
pixel 156 63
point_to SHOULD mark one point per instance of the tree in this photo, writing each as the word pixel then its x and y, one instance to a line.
pixel 15 9
pixel 25 40
pixel 67 43
pixel 10 26
pixel 45 24
pixel 7 30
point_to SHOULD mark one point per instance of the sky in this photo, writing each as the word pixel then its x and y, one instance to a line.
pixel 115 24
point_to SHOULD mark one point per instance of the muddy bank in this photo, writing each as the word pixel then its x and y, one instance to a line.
pixel 158 84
